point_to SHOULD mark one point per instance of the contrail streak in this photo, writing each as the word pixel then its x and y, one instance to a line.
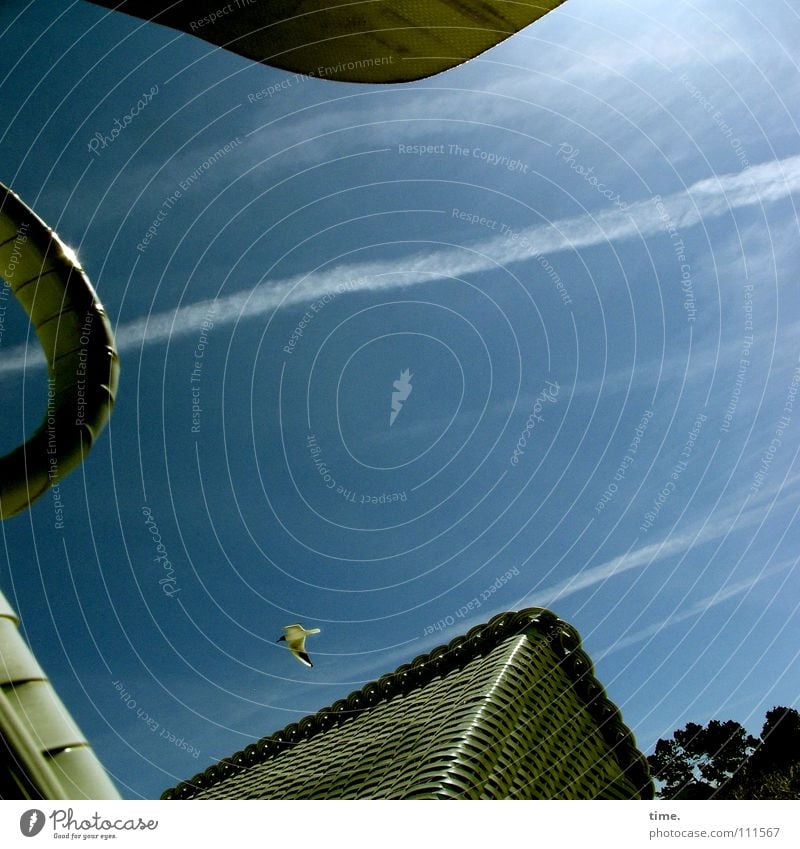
pixel 709 198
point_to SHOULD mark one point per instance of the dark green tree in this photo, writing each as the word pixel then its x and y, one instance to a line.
pixel 722 761
pixel 780 740
pixel 699 760
pixel 773 770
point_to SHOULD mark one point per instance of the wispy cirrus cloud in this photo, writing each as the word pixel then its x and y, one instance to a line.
pixel 645 556
pixel 766 183
pixel 726 521
pixel 698 608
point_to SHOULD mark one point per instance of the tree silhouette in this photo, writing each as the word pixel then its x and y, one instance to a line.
pixel 780 736
pixel 699 760
pixel 722 761
pixel 773 770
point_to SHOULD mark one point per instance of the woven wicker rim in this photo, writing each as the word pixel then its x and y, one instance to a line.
pixel 481 639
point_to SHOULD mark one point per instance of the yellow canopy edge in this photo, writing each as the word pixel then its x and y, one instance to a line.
pixel 375 41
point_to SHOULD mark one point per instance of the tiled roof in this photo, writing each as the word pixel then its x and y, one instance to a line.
pixel 510 710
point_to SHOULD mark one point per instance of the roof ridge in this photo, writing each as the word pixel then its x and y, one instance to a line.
pixel 479 640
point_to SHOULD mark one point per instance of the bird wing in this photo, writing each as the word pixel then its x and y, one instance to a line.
pixel 297 646
pixel 303 658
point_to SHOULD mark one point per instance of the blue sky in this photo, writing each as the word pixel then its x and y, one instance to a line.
pixel 582 245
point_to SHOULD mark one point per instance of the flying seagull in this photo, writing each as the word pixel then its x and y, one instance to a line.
pixel 295 638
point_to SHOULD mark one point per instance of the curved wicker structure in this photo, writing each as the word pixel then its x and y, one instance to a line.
pixel 78 344
pixel 379 41
pixel 43 753
pixel 511 710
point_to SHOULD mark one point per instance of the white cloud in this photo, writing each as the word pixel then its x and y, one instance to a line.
pixel 696 609
pixel 726 521
pixel 709 198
